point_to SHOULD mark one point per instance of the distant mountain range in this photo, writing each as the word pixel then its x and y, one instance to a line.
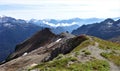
pixel 59 26
pixel 106 29
pixel 69 25
pixel 68 22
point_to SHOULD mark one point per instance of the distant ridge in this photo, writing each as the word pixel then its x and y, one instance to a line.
pixel 106 29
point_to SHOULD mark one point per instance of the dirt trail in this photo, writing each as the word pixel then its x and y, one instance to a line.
pixel 95 52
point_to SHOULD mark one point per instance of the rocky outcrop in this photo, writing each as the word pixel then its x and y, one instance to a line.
pixel 40 39
pixel 65 46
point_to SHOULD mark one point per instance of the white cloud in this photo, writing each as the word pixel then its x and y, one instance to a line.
pixel 61 8
pixel 59 24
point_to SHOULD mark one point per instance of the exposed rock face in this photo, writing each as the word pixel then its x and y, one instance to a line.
pixel 64 46
pixel 41 38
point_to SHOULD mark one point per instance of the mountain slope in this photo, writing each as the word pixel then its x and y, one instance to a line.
pixel 12 32
pixel 115 39
pixel 65 52
pixel 63 43
pixel 43 37
pixel 89 55
pixel 106 29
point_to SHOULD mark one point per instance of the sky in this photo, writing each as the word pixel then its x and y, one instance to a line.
pixel 60 9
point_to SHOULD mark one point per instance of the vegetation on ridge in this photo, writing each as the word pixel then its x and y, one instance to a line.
pixel 114 57
pixel 71 63
pixel 84 44
pixel 103 44
pixel 112 50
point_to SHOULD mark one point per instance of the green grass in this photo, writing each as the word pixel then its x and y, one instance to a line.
pixel 77 53
pixel 114 57
pixel 62 63
pixel 113 47
pixel 83 45
pixel 86 52
pixel 103 44
pixel 94 65
pixel 59 63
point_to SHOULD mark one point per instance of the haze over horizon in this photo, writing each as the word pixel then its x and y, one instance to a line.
pixel 60 9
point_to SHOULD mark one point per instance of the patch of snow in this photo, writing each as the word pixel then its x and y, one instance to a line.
pixel 25 54
pixel 109 23
pixel 7 25
pixel 58 40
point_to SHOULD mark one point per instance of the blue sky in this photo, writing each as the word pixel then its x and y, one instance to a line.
pixel 60 9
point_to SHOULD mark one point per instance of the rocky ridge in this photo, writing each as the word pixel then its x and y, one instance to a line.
pixel 63 52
